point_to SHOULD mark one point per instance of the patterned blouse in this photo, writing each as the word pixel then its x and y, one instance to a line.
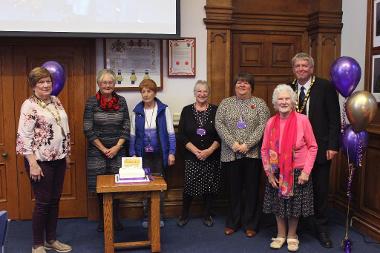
pixel 253 113
pixel 43 130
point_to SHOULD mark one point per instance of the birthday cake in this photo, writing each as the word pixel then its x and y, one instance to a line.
pixel 131 168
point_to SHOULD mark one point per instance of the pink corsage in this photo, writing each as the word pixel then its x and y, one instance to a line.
pixel 253 106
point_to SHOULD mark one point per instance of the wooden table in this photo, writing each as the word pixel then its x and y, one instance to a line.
pixel 106 184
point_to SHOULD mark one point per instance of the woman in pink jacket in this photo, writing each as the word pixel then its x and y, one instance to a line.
pixel 288 153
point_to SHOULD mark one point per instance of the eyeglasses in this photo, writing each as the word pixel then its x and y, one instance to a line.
pixel 107 82
pixel 42 82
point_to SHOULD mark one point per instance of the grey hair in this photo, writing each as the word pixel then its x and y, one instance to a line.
pixel 201 83
pixel 303 56
pixel 102 73
pixel 281 88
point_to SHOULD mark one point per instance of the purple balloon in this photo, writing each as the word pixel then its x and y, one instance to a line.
pixel 345 75
pixel 58 73
pixel 354 144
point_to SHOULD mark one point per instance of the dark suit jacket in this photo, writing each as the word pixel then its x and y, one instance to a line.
pixel 324 116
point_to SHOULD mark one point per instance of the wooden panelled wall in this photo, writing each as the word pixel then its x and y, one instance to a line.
pixel 261 37
pixel 17 57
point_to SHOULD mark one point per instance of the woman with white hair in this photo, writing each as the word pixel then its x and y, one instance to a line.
pixel 202 166
pixel 288 154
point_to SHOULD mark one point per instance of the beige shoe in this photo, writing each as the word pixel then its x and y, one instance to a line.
pixel 293 244
pixel 277 242
pixel 40 249
pixel 58 246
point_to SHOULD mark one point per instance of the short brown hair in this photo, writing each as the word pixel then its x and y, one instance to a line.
pixel 245 76
pixel 149 84
pixel 37 74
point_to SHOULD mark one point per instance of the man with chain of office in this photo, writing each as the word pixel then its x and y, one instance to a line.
pixel 319 101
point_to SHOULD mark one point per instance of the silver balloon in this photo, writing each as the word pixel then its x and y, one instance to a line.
pixel 361 108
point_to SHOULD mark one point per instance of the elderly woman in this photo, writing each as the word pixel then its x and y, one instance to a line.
pixel 152 134
pixel 106 126
pixel 288 153
pixel 43 138
pixel 240 122
pixel 202 166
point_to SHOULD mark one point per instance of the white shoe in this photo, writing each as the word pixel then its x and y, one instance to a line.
pixel 277 242
pixel 293 244
pixel 58 246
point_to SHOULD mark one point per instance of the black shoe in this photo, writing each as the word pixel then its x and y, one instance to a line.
pixel 100 227
pixel 182 221
pixel 118 226
pixel 208 221
pixel 325 240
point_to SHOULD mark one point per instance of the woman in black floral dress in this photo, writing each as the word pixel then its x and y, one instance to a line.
pixel 202 166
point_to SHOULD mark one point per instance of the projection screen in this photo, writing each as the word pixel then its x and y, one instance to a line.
pixel 91 18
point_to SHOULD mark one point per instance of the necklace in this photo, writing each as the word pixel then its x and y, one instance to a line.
pixel 149 123
pixel 241 107
pixel 201 109
pixel 54 113
pixel 201 117
pixel 294 83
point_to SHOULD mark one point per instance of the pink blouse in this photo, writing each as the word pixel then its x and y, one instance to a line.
pixel 306 147
pixel 43 130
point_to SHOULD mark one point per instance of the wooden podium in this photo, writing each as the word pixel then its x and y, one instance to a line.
pixel 106 185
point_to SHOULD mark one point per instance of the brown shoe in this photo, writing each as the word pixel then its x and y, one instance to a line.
pixel 228 231
pixel 250 233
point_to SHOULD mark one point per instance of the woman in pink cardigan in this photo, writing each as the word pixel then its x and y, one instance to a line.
pixel 288 153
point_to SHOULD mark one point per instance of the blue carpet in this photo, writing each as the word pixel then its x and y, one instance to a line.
pixel 193 238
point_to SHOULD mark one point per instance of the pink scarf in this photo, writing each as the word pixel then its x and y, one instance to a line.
pixel 284 160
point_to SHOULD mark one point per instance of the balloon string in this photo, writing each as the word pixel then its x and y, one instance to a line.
pixel 351 169
pixel 348 196
pixel 343 116
pixel 360 151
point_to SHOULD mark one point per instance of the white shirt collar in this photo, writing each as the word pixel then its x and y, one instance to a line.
pixel 306 85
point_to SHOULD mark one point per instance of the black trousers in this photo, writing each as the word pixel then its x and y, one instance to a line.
pixel 47 193
pixel 243 176
pixel 153 161
pixel 321 178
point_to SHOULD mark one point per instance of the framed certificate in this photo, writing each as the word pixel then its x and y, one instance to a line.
pixel 181 57
pixel 376 23
pixel 133 60
pixel 375 87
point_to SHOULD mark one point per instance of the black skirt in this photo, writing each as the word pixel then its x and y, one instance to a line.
pixel 202 177
pixel 300 204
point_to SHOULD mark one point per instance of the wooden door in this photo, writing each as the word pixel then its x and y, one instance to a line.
pixel 268 57
pixel 8 173
pixel 77 58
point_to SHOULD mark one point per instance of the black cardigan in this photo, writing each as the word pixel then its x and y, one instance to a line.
pixel 187 132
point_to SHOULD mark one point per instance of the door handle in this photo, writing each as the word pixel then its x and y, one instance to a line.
pixel 4 155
